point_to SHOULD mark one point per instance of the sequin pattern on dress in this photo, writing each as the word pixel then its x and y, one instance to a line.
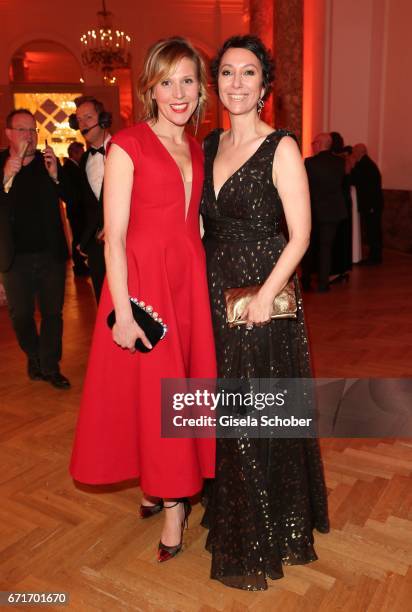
pixel 268 494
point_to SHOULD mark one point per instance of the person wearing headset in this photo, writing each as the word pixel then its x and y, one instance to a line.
pixel 93 122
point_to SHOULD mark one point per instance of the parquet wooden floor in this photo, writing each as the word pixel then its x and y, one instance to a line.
pixel 56 536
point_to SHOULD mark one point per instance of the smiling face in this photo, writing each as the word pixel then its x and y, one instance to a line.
pixel 88 118
pixel 240 81
pixel 177 95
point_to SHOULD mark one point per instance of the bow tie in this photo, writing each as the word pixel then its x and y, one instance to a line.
pixel 101 150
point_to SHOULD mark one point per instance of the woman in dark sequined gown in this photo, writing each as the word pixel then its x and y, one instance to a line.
pixel 268 494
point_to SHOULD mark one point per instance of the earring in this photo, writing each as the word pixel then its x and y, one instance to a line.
pixel 260 106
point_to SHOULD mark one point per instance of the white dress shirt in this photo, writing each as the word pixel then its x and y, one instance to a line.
pixel 95 169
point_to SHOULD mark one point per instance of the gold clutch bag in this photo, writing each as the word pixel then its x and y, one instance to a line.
pixel 284 305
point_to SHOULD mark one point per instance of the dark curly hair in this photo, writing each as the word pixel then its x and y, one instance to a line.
pixel 256 46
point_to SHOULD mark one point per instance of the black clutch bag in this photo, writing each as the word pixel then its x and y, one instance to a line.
pixel 150 322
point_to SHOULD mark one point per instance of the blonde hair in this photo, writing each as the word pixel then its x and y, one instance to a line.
pixel 160 62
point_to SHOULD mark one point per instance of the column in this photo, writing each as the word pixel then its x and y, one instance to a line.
pixel 261 24
pixel 288 37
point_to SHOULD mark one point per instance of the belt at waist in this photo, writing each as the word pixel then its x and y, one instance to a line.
pixel 238 230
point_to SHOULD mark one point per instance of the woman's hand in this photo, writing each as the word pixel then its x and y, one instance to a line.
pixel 125 335
pixel 258 310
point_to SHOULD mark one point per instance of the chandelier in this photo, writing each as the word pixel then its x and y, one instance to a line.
pixel 106 48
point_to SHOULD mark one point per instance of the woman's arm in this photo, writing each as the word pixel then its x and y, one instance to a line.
pixel 289 176
pixel 118 182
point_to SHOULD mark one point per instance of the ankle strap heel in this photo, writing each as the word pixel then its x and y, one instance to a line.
pixel 149 511
pixel 168 552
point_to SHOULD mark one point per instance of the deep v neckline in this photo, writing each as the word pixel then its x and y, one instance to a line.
pixel 238 169
pixel 183 182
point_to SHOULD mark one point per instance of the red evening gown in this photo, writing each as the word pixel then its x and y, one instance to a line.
pixel 118 431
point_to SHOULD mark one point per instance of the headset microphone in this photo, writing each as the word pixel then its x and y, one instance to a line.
pixel 104 119
pixel 87 130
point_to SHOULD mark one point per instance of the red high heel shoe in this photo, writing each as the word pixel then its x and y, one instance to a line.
pixel 149 511
pixel 164 552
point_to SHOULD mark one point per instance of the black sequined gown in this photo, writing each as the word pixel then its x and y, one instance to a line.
pixel 268 494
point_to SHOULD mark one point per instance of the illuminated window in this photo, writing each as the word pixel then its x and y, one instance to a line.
pixel 51 111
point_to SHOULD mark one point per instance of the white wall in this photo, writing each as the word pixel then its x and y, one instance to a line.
pixel 396 137
pixel 348 78
pixel 367 81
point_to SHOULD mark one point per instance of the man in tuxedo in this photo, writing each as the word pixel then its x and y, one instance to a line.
pixel 326 173
pixel 367 179
pixel 33 249
pixel 93 123
pixel 75 210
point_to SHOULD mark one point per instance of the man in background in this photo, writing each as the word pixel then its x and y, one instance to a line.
pixel 33 249
pixel 75 209
pixel 326 173
pixel 93 122
pixel 367 179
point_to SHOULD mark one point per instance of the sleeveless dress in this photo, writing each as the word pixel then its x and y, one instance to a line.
pixel 268 494
pixel 118 434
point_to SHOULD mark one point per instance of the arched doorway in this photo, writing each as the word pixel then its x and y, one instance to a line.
pixel 45 77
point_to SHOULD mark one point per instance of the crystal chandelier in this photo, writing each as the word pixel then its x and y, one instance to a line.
pixel 106 48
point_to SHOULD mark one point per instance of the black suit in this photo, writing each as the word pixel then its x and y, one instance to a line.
pixel 326 173
pixel 33 253
pixel 75 212
pixel 368 182
pixel 94 222
pixel 50 212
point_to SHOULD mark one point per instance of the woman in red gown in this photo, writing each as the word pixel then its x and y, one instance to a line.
pixel 153 250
